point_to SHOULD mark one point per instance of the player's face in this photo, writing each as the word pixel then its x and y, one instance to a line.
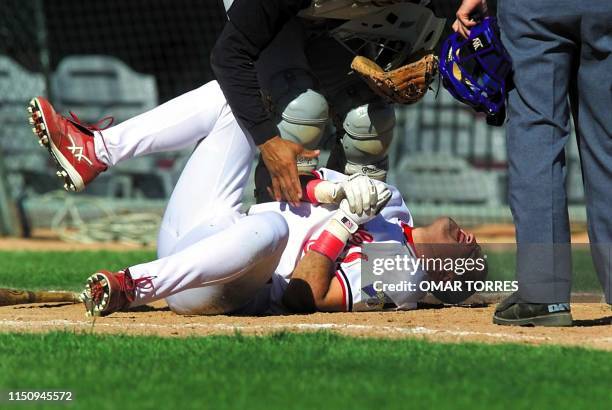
pixel 446 230
pixel 448 240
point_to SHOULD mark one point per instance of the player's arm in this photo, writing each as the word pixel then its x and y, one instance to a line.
pixel 359 190
pixel 310 287
pixel 313 286
pixel 251 27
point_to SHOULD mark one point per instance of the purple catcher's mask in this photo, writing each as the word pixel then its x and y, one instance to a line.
pixel 475 70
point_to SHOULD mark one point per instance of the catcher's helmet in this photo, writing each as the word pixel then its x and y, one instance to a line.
pixel 475 70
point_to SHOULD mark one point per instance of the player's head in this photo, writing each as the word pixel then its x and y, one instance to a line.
pixel 451 254
pixel 475 70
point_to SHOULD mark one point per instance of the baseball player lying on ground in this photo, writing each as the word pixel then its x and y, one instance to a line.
pixel 212 259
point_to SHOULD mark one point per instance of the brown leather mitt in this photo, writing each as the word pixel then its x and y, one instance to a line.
pixel 404 85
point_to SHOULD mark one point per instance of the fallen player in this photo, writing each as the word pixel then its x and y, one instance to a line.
pixel 213 259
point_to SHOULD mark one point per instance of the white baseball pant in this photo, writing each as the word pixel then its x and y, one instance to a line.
pixel 211 258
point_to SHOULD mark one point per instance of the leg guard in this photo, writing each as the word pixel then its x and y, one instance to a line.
pixel 303 121
pixel 368 132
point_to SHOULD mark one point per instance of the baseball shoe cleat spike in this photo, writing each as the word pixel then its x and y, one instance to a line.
pixel 107 292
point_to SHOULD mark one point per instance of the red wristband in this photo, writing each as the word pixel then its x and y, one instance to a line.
pixel 310 191
pixel 328 245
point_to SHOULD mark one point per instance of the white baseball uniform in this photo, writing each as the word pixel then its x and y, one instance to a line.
pixel 211 258
pixel 306 223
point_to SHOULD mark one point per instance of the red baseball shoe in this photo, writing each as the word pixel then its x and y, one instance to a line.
pixel 107 292
pixel 70 143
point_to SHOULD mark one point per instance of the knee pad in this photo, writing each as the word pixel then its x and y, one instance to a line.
pixel 368 132
pixel 303 121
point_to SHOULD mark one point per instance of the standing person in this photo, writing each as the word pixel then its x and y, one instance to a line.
pixel 562 59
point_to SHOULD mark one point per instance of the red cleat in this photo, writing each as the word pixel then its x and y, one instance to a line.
pixel 107 292
pixel 70 143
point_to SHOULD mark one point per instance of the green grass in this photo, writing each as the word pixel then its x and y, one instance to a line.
pixel 61 270
pixel 302 371
pixel 68 270
pixel 502 266
pixel 284 370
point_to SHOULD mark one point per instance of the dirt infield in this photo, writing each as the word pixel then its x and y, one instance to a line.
pixel 47 240
pixel 593 321
pixel 592 328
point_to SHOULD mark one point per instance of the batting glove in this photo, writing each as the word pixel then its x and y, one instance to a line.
pixel 359 190
pixel 345 222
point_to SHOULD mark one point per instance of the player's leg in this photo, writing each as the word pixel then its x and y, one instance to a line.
pixel 267 236
pixel 203 205
pixel 300 110
pixel 367 136
pixel 364 122
pixel 211 184
pixel 204 241
pixel 593 85
pixel 82 151
pixel 303 120
pixel 177 124
pixel 233 259
pixel 234 263
pixel 537 132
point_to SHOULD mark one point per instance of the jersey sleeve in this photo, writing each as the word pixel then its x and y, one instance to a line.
pixel 252 25
pixel 348 273
pixel 365 292
pixel 358 295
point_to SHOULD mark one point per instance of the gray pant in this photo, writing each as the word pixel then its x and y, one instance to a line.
pixel 562 57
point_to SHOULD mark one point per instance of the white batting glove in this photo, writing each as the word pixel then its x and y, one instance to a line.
pixel 344 210
pixel 358 189
pixel 345 222
pixel 360 193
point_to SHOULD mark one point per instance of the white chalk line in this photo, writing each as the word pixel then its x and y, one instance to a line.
pixel 417 330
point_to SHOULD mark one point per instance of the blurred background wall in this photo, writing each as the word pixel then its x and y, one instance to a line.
pixel 122 57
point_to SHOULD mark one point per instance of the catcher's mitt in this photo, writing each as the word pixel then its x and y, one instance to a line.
pixel 404 85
